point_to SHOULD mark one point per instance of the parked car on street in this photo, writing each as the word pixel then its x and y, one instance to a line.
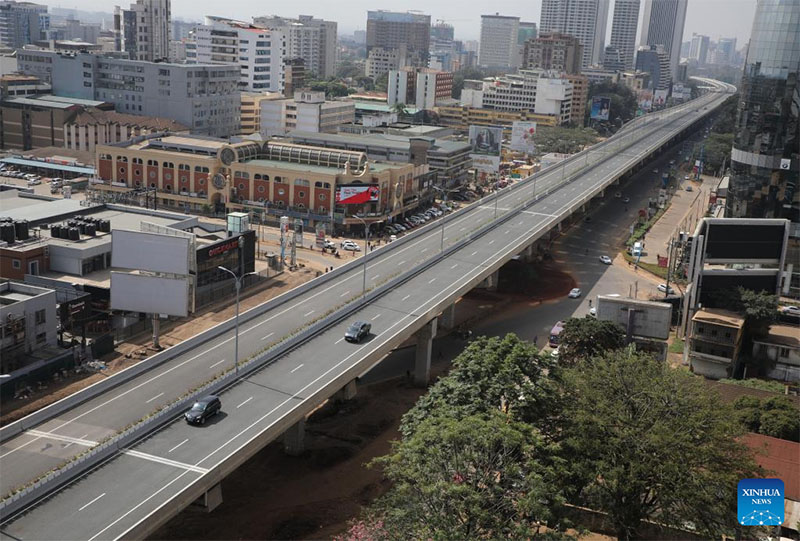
pixel 664 288
pixel 206 407
pixel 357 331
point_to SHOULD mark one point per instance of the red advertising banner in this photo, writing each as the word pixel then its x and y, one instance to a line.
pixel 357 194
pixel 663 261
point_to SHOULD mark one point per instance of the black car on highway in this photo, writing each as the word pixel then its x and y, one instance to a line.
pixel 206 407
pixel 357 331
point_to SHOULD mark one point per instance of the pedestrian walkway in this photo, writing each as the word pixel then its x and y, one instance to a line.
pixel 686 209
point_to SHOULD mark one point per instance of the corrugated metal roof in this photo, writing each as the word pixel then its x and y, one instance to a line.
pixel 781 457
pixel 90 171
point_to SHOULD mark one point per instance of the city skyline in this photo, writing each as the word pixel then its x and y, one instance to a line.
pixel 715 18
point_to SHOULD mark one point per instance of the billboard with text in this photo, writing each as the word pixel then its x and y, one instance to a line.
pixel 522 136
pixel 486 143
pixel 357 194
pixel 600 108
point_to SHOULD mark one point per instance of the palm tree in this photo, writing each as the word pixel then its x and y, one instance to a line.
pixel 400 109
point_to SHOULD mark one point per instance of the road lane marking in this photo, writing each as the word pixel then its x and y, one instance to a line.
pixel 445 238
pixel 454 266
pixel 70 443
pixel 491 242
pixel 404 298
pixel 299 366
pixel 181 443
pixel 345 293
pixel 463 229
pixel 402 262
pixel 376 276
pixel 91 502
pixel 308 314
pixel 376 316
pixel 267 336
pixel 473 253
pixel 243 403
pixel 506 232
pixel 165 461
pixel 339 340
pixel 68 439
pixel 216 363
pixel 432 280
pixel 424 250
pixel 156 396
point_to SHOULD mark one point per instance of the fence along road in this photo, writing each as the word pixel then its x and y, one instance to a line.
pixel 270 400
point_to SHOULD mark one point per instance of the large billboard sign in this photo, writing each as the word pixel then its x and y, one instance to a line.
pixel 645 100
pixel 660 98
pixel 150 294
pixel 600 108
pixel 150 252
pixel 486 144
pixel 522 136
pixel 357 194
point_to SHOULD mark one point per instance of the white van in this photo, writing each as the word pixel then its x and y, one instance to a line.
pixel 636 249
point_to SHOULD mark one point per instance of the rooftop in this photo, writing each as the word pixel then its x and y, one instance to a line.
pixel 783 335
pixel 726 318
pixel 398 142
pixel 92 116
pixel 373 166
pixel 779 456
pixel 14 292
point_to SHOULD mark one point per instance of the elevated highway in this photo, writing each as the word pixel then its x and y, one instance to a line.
pixel 152 472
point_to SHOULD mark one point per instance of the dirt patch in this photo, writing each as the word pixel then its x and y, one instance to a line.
pixel 139 347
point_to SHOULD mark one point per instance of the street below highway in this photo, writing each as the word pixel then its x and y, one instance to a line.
pixel 125 491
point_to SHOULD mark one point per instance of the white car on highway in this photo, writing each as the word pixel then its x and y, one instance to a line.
pixel 574 293
pixel 351 246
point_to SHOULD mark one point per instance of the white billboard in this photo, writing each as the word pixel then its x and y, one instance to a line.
pixel 650 319
pixel 151 252
pixel 149 294
pixel 522 136
pixel 482 162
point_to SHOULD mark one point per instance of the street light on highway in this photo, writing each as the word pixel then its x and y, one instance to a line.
pixel 366 248
pixel 444 200
pixel 238 282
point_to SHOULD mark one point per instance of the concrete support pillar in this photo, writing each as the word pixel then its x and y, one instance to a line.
pixel 448 317
pixel 558 227
pixel 583 208
pixel 294 439
pixel 602 193
pixel 528 255
pixel 348 392
pixel 422 360
pixel 210 500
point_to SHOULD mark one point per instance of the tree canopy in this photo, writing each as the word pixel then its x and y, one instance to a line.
pixel 566 140
pixel 776 417
pixel 647 442
pixel 584 338
pixel 623 101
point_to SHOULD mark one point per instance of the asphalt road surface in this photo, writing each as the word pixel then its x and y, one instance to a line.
pixel 124 491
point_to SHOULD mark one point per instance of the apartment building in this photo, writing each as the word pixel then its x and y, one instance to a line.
pixel 313 40
pixel 260 52
pixel 27 323
pixel 715 342
pixel 203 97
pixel 22 23
pixel 251 109
pixel 393 30
pixel 580 97
pixel 654 60
pixel 382 60
pixel 461 117
pixel 143 31
pixel 421 87
pixel 553 51
pixel 584 19
pixel 307 111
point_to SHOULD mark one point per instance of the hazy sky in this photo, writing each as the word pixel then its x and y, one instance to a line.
pixel 715 18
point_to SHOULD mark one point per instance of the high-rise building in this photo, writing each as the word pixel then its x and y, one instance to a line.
pixel 258 51
pixel 655 61
pixel 498 41
pixel 624 24
pixel 584 19
pixel 421 87
pixel 392 30
pixel 203 97
pixel 725 53
pixel 698 50
pixel 313 40
pixel 553 51
pixel 765 161
pixel 22 23
pixel 612 59
pixel 663 25
pixel 143 31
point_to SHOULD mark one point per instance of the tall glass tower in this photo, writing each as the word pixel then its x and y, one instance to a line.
pixel 765 157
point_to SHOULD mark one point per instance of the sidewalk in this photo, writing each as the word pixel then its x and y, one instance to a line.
pixel 682 215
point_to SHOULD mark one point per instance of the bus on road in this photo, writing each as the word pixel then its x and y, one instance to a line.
pixel 554 332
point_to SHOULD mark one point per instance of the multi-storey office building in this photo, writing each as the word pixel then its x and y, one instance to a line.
pixel 498 47
pixel 143 31
pixel 22 23
pixel 260 52
pixel 422 87
pixel 313 40
pixel 663 25
pixel 584 19
pixel 307 111
pixel 392 30
pixel 203 97
pixel 624 25
pixel 553 51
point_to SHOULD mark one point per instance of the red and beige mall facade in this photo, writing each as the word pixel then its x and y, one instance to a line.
pixel 195 173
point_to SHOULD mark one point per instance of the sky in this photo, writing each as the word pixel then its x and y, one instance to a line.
pixel 714 18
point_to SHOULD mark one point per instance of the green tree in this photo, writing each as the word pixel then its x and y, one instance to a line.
pixel 399 108
pixel 717 149
pixel 382 82
pixel 585 338
pixel 490 374
pixel 647 442
pixel 780 419
pixel 623 102
pixel 559 139
pixel 760 308
pixel 748 411
pixel 472 478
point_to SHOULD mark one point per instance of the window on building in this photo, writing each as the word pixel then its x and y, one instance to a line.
pixel 41 338
pixel 41 317
pixel 322 197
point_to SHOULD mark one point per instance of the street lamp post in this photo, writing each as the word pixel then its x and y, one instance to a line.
pixel 444 200
pixel 366 248
pixel 238 282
